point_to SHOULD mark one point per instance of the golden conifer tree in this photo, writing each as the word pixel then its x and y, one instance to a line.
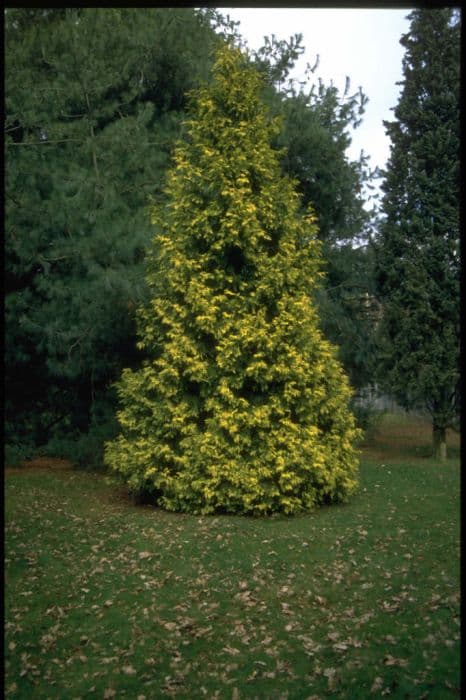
pixel 243 405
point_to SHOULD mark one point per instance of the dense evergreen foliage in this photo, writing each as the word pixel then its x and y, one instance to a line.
pixel 317 125
pixel 242 405
pixel 418 266
pixel 95 100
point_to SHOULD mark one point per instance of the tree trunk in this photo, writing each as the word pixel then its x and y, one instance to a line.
pixel 439 435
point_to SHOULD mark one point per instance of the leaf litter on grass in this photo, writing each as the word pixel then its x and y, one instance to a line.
pixel 104 596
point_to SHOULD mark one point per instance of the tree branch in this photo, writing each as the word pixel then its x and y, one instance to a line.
pixel 44 143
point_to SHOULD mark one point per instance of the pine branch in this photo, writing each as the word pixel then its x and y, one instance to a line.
pixel 45 143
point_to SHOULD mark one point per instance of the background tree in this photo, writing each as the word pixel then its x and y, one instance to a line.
pixel 316 133
pixel 242 406
pixel 94 101
pixel 417 251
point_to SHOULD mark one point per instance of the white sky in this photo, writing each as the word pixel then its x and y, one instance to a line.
pixel 360 43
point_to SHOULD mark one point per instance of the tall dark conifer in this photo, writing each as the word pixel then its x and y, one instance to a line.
pixel 94 101
pixel 418 263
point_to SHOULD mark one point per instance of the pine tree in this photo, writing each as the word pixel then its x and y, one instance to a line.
pixel 94 102
pixel 243 406
pixel 417 254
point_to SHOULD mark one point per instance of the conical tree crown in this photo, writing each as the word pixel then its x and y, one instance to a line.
pixel 417 250
pixel 243 406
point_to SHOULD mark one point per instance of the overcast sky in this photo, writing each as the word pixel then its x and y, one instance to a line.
pixel 360 43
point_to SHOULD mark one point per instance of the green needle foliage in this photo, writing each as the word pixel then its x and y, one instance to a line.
pixel 417 253
pixel 242 406
pixel 94 101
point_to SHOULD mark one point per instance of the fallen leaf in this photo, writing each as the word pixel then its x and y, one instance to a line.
pixel 390 660
pixel 230 650
pixel 170 626
pixel 129 670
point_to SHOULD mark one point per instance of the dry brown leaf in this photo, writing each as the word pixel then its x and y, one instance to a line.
pixel 129 670
pixel 170 626
pixel 390 660
pixel 108 659
pixel 230 650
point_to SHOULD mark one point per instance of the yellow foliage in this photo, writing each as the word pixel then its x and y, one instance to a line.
pixel 242 405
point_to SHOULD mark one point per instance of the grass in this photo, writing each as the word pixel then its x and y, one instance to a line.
pixel 106 600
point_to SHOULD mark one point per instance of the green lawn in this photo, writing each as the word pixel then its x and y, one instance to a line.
pixel 106 600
